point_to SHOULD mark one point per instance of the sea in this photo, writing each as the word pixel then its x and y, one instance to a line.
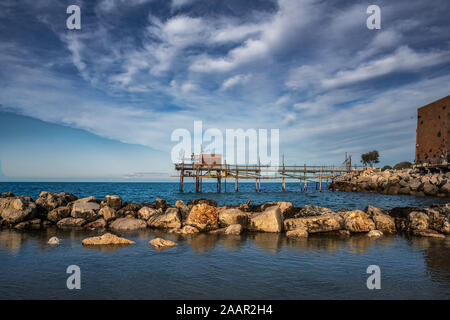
pixel 206 266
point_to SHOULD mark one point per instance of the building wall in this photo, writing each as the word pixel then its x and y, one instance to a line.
pixel 433 132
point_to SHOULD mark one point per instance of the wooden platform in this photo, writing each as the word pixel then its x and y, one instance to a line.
pixel 302 173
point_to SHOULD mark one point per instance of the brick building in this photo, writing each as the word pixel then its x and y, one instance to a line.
pixel 433 132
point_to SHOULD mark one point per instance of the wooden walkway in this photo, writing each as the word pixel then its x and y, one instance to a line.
pixel 222 172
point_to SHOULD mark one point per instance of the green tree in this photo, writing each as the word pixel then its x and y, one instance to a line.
pixel 370 158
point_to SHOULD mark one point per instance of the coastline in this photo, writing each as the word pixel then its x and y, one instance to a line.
pixel 112 215
pixel 412 182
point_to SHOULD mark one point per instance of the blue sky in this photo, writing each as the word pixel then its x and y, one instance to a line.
pixel 101 103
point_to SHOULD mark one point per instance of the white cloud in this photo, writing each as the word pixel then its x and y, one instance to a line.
pixel 234 81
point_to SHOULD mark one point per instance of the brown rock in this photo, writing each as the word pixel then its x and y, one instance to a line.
pixel 158 243
pixel 297 233
pixel 417 221
pixel 108 213
pixel 204 217
pixel 358 221
pixel 167 220
pixel 270 220
pixel 114 202
pixel 106 239
pixel 97 224
pixel 234 229
pixel 322 223
pixel 59 213
pixel 374 234
pixel 85 210
pixel 71 223
pixel 125 224
pixel 383 222
pixel 228 217
pixel 145 213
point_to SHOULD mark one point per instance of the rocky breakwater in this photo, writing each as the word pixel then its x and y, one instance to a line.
pixel 407 181
pixel 63 210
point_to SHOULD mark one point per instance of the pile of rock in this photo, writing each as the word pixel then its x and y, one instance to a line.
pixel 204 216
pixel 406 181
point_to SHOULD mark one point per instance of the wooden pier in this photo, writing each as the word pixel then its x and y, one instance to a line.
pixel 199 170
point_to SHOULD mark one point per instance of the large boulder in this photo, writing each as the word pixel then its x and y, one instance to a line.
pixel 48 201
pixel 315 224
pixel 430 189
pixel 358 221
pixel 234 229
pixel 165 220
pixel 204 217
pixel 383 222
pixel 58 213
pixel 17 209
pixel 97 224
pixel 8 194
pixel 286 208
pixel 114 202
pixel 126 224
pixel 313 211
pixel 228 217
pixel 160 204
pixel 106 239
pixel 145 213
pixel 209 202
pixel 439 219
pixel 108 213
pixel 270 220
pixel 129 209
pixel 417 221
pixel 85 210
pixel 184 209
pixel 71 223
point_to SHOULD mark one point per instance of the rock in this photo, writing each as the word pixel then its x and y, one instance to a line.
pixel 108 213
pixel 17 209
pixel 234 229
pixel 297 233
pixel 130 209
pixel 48 201
pixel 106 239
pixel 125 224
pixel 8 194
pixel 59 213
pixel 167 220
pixel 428 233
pixel 438 220
pixel 430 189
pixel 160 204
pixel 417 221
pixel 313 211
pixel 316 224
pixel 209 202
pixel 383 222
pixel 87 199
pixel 86 210
pixel 445 188
pixel 374 234
pixel 145 213
pixel 270 220
pixel 188 230
pixel 184 209
pixel 233 216
pixel 114 202
pixel 71 223
pixel 204 217
pixel 97 224
pixel 161 243
pixel 53 241
pixel 358 221
pixel 30 224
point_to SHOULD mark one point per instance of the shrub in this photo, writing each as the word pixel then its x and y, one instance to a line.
pixel 386 168
pixel 403 165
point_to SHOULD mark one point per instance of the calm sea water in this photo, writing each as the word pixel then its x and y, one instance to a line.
pixel 250 266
